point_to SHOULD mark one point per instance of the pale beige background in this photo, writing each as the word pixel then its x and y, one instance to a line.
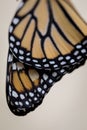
pixel 64 108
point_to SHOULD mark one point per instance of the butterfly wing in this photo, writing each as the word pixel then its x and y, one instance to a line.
pixel 43 32
pixel 27 86
pixel 42 49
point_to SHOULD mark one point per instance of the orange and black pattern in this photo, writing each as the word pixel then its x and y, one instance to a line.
pixel 43 31
pixel 27 86
pixel 47 39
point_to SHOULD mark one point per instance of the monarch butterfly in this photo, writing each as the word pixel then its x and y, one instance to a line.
pixel 42 48
pixel 44 31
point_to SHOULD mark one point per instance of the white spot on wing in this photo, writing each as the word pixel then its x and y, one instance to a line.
pixel 28 54
pixel 45 86
pixel 41 81
pixel 10 29
pixel 10 58
pixel 14 94
pixel 35 61
pixel 16 50
pixel 54 74
pixel 79 57
pixel 20 5
pixel 46 65
pixel 12 38
pixel 15 21
pixel 20 103
pixel 78 46
pixel 45 77
pixel 27 103
pixel 50 81
pixel 44 60
pixel 39 89
pixel 21 52
pixel 72 61
pixel 68 57
pixel 21 57
pixel 9 88
pixel 14 66
pixel 16 103
pixel 22 96
pixel 11 45
pixel 35 99
pixel 38 65
pixel 76 53
pixel 60 58
pixel 28 59
pixel 17 43
pixel 31 94
pixel 43 92
pixel 83 51
pixel 52 62
pixel 63 63
pixel 62 71
pixel 55 66
pixel 85 42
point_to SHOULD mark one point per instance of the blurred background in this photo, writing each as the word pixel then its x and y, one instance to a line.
pixel 64 107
